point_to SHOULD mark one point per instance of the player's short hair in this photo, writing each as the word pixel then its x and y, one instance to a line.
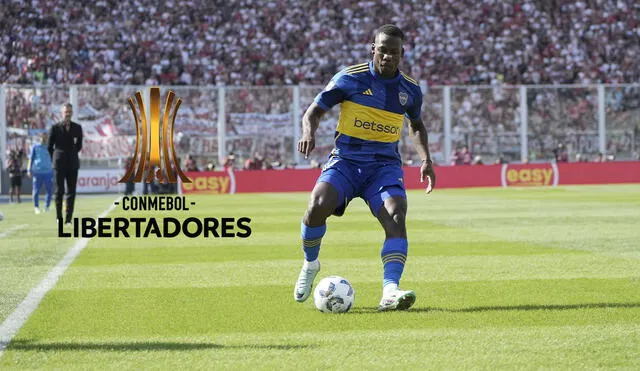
pixel 391 30
pixel 69 105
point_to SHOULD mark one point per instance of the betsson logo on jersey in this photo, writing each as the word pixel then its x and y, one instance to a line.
pixel 374 126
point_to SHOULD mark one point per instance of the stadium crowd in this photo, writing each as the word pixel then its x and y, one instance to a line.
pixel 250 42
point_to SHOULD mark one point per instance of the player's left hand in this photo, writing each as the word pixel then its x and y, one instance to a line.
pixel 426 172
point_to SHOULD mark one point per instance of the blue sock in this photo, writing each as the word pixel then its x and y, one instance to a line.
pixel 394 254
pixel 311 238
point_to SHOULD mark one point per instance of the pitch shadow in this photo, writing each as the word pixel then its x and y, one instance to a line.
pixel 507 308
pixel 138 346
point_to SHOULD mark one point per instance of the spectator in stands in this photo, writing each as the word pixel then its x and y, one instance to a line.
pixel 190 164
pixel 258 160
pixel 467 156
pixel 501 160
pixel 560 153
pixel 462 156
pixel 453 42
pixel 581 158
pixel 229 161
pixel 15 158
pixel 599 157
pixel 254 163
pixel 249 164
pixel 456 157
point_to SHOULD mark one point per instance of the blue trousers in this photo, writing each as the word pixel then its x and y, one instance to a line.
pixel 38 181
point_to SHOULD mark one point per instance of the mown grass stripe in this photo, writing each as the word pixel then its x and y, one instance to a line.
pixel 17 319
pixel 506 278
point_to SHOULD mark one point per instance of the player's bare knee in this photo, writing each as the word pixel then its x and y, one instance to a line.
pixel 318 210
pixel 397 212
pixel 320 204
pixel 398 217
pixel 393 222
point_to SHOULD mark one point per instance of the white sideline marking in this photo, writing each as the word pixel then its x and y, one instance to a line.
pixel 17 319
pixel 11 230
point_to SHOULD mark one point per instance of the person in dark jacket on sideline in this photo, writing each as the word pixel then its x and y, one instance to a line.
pixel 65 141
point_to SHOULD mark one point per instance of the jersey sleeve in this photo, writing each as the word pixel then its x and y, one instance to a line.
pixel 414 111
pixel 335 92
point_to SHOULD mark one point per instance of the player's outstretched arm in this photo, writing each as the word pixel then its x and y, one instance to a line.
pixel 421 143
pixel 310 123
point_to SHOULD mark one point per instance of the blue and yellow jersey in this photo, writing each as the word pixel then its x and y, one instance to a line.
pixel 371 113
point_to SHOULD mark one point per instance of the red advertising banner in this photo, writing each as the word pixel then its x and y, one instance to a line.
pixel 247 181
pixel 511 175
pixel 599 172
pixel 456 176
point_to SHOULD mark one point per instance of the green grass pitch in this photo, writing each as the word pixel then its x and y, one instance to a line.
pixel 544 278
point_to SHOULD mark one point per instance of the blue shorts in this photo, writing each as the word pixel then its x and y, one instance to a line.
pixel 373 182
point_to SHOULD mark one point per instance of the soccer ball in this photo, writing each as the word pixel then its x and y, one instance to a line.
pixel 334 294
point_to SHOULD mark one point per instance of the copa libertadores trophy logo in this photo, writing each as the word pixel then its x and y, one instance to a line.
pixel 151 137
pixel 150 164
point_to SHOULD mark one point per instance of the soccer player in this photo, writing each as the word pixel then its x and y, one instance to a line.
pixel 41 168
pixel 374 97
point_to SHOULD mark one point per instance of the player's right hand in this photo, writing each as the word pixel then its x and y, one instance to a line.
pixel 306 144
pixel 427 173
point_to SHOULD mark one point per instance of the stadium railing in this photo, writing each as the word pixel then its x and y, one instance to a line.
pixel 497 123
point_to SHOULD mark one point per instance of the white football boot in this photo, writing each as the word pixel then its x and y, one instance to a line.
pixel 304 285
pixel 397 300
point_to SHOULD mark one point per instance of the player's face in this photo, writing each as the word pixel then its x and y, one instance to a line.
pixel 387 51
pixel 67 112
